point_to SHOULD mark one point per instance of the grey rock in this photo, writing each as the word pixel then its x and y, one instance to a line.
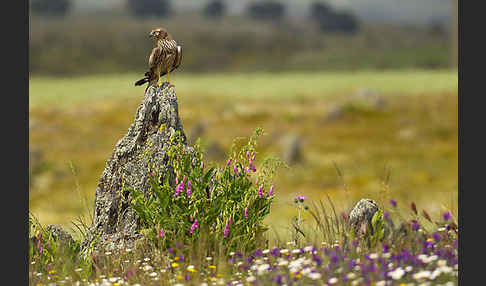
pixel 60 235
pixel 156 120
pixel 215 151
pixel 196 131
pixel 362 212
pixel 292 149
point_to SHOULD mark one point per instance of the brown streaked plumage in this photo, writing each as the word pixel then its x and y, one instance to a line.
pixel 166 56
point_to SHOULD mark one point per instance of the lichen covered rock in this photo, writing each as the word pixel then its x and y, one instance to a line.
pixel 115 223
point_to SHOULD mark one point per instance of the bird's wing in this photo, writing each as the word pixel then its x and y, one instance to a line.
pixel 178 58
pixel 155 57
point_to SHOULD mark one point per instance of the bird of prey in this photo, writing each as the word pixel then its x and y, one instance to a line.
pixel 166 56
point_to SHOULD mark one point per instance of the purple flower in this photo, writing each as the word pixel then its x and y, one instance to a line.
pixel 301 198
pixel 188 188
pixel 275 251
pixel 436 236
pixel 235 169
pixel 260 191
pixel 393 203
pixel 248 170
pixel 415 225
pixel 152 174
pixel 228 162
pixel 386 215
pixel 446 216
pixel 194 226
pixel 270 193
pixel 202 165
pixel 246 212
pixel 247 154
pixel 161 233
pixel 226 229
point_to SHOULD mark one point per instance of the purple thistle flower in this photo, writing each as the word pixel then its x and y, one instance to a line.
pixel 246 212
pixel 194 226
pixel 270 193
pixel 301 198
pixel 393 203
pixel 446 216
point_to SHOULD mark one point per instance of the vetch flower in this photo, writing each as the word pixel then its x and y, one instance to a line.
pixel 228 162
pixel 393 203
pixel 246 212
pixel 446 216
pixel 270 193
pixel 415 225
pixel 260 191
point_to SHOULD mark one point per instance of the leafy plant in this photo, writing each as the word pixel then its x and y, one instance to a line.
pixel 226 204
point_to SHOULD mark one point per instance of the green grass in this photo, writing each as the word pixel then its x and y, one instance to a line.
pixel 79 120
pixel 88 89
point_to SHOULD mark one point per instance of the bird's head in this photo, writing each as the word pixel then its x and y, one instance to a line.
pixel 158 33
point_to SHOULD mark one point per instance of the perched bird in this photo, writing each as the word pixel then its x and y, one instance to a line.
pixel 166 56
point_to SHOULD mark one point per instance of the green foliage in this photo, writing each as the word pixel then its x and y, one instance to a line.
pixel 378 226
pixel 220 204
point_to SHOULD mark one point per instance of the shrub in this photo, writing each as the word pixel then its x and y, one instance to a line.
pixel 215 9
pixel 50 7
pixel 267 10
pixel 330 20
pixel 222 205
pixel 150 8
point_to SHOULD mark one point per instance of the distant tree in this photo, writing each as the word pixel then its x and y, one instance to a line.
pixel 150 8
pixel 330 20
pixel 215 9
pixel 50 7
pixel 267 10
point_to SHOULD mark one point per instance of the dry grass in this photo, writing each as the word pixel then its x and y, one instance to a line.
pixel 414 137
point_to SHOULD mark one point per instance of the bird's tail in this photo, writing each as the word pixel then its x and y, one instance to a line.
pixel 148 76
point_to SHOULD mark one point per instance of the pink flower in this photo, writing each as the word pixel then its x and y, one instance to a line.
pixel 226 229
pixel 228 162
pixel 260 190
pixel 188 189
pixel 194 226
pixel 270 193
pixel 246 212
pixel 161 233
pixel 235 169
pixel 202 165
pixel 247 154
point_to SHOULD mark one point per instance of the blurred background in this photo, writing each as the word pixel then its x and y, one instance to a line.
pixel 359 97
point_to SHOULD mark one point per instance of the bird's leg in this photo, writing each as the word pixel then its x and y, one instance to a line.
pixel 168 78
pixel 159 83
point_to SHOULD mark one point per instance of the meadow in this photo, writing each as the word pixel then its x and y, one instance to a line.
pixel 388 136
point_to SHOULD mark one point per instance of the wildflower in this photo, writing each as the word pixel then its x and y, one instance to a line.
pixel 188 189
pixel 270 193
pixel 191 268
pixel 301 198
pixel 446 216
pixel 53 271
pixel 397 273
pixel 315 275
pixel 226 229
pixel 194 226
pixel 202 165
pixel 153 274
pixel 251 279
pixel 393 203
pixel 159 235
pixel 235 170
pixel 246 212
pixel 147 268
pixel 351 276
pixel 415 225
pixel 212 266
pixel 152 174
pixel 386 215
pixel 436 236
pixel 228 162
pixel 332 280
pixel 174 264
pixel 284 251
pixel 260 190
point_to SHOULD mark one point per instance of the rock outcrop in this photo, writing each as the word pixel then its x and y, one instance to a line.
pixel 115 223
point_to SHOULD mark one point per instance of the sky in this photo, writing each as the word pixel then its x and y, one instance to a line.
pixel 387 11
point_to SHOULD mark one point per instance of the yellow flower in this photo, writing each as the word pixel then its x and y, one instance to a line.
pixel 430 239
pixel 175 264
pixel 212 266
pixel 403 284
pixel 299 275
pixel 39 284
pixel 53 271
pixel 176 258
pixel 192 270
pixel 179 276
pixel 116 284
